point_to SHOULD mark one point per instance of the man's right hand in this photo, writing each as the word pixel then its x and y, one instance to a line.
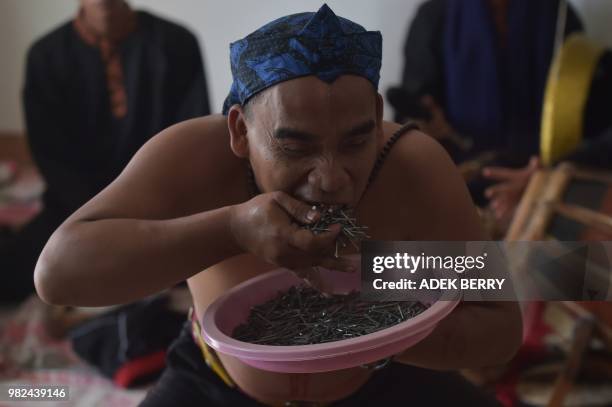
pixel 269 226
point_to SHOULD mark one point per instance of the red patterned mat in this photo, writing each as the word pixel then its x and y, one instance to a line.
pixel 28 355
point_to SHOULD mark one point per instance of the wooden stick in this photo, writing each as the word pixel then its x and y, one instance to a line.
pixel 583 331
pixel 586 216
pixel 528 202
pixel 603 331
pixel 586 174
pixel 553 192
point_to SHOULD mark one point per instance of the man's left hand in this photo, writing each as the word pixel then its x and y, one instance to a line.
pixel 505 195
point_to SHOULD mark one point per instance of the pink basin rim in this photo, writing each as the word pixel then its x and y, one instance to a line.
pixel 404 334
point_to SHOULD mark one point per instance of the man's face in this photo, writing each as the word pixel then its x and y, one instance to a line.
pixel 314 140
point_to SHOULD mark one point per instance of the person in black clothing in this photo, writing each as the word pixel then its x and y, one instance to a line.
pixel 474 76
pixel 478 68
pixel 96 89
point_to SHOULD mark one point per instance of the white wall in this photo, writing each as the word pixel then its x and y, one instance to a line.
pixel 216 23
pixel 597 17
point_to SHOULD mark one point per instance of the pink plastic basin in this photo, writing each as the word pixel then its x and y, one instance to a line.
pixel 233 308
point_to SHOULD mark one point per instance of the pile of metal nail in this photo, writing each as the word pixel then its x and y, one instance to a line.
pixel 303 316
pixel 350 232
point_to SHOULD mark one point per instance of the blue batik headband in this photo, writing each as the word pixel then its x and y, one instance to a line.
pixel 320 44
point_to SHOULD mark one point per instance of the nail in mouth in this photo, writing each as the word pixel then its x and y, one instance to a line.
pixel 350 231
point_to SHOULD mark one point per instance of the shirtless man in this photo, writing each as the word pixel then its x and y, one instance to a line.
pixel 217 200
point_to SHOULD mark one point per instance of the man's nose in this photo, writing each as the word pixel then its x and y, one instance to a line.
pixel 329 176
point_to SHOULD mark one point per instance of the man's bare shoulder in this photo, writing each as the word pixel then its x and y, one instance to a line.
pixel 416 156
pixel 430 193
pixel 195 138
pixel 186 168
pixel 195 151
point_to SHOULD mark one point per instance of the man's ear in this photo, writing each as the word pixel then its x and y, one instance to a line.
pixel 236 123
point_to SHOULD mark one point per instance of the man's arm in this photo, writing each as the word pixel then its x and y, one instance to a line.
pixel 48 137
pixel 180 206
pixel 476 333
pixel 160 222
